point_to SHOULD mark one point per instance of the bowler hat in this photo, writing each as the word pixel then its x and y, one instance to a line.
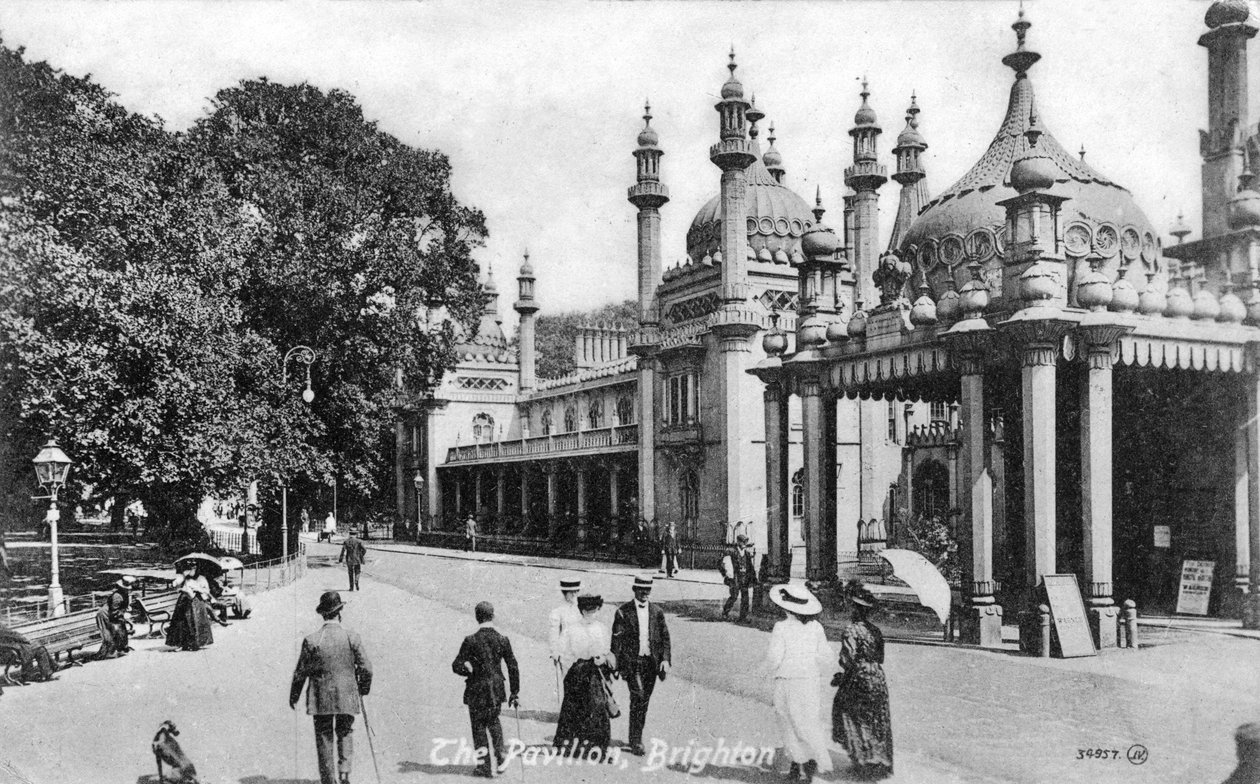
pixel 330 603
pixel 795 598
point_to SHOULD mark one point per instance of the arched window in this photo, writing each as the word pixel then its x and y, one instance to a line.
pixel 689 495
pixel 570 419
pixel 625 410
pixel 595 414
pixel 939 411
pixel 546 422
pixel 798 493
pixel 483 428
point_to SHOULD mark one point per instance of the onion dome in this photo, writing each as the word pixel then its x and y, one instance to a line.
pixel 837 331
pixel 857 324
pixel 811 333
pixel 1206 306
pixel 1232 309
pixel 732 88
pixel 775 341
pixel 1038 285
pixel 527 269
pixel 910 136
pixel 923 311
pixel 948 306
pixel 1124 298
pixel 1093 289
pixel 820 242
pixel 776 217
pixel 1244 208
pixel 974 297
pixel 865 117
pixel 1153 299
pixel 1180 229
pixel 1034 170
pixel 647 136
pixel 1179 304
pixel 1225 12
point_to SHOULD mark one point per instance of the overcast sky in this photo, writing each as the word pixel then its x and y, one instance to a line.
pixel 538 104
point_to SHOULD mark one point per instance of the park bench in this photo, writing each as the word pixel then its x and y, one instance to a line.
pixel 154 610
pixel 67 634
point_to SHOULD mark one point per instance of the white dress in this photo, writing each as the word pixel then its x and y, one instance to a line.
pixel 798 657
pixel 585 640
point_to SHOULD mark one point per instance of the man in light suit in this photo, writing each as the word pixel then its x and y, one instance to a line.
pixel 340 674
pixel 480 661
pixel 640 643
pixel 354 554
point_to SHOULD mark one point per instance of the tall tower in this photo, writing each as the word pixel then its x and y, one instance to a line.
pixel 649 194
pixel 865 177
pixel 910 174
pixel 1221 145
pixel 733 154
pixel 527 307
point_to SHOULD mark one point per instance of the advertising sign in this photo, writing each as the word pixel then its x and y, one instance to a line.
pixel 1067 612
pixel 1196 587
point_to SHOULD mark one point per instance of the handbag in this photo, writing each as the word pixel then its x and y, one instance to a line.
pixel 614 710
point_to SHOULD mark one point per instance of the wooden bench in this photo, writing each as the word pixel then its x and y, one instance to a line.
pixel 154 610
pixel 66 634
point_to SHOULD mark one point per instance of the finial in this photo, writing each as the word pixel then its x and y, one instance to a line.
pixel 818 208
pixel 771 137
pixel 1021 26
pixel 527 254
pixel 1034 128
pixel 1021 59
pixel 912 113
pixel 865 92
pixel 1082 152
pixel 1180 229
pixel 647 112
pixel 754 116
pixel 732 66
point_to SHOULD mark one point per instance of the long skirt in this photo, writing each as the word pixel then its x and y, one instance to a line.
pixel 584 723
pixel 861 720
pixel 113 635
pixel 189 628
pixel 798 712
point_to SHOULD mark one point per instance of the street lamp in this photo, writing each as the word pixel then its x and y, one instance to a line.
pixel 419 483
pixel 51 469
pixel 305 355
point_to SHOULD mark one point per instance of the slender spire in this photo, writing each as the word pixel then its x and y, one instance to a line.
pixel 1022 58
pixel 773 159
pixel 818 207
pixel 754 116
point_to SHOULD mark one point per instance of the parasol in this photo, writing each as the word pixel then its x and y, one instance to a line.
pixel 923 578
pixel 229 563
pixel 165 575
pixel 206 564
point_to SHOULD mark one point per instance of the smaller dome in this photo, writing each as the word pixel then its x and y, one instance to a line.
pixel 865 116
pixel 1225 12
pixel 1153 299
pixel 732 89
pixel 1244 209
pixel 857 325
pixel 1178 303
pixel 1232 309
pixel 820 242
pixel 1206 306
pixel 837 331
pixel 811 333
pixel 1124 298
pixel 773 158
pixel 923 312
pixel 527 269
pixel 774 342
pixel 910 137
pixel 1033 172
pixel 648 137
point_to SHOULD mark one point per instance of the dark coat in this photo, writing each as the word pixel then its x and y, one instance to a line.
pixel 625 634
pixel 486 650
pixel 352 551
pixel 333 661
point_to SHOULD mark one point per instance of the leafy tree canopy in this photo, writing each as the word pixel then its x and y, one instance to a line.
pixel 555 334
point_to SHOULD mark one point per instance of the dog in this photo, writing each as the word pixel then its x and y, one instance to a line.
pixel 166 750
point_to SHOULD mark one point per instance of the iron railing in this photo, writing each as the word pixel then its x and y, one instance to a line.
pixel 618 435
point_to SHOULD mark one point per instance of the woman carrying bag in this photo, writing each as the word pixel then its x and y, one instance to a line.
pixel 584 713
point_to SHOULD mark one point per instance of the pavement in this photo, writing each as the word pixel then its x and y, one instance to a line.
pixel 959 715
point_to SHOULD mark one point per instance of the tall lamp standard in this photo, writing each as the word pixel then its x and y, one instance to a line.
pixel 51 469
pixel 419 482
pixel 305 355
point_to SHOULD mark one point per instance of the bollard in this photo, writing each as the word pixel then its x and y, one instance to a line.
pixel 1130 624
pixel 1043 616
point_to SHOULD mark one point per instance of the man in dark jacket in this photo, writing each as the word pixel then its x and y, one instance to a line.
pixel 671 549
pixel 340 674
pixel 353 553
pixel 640 643
pixel 739 571
pixel 480 662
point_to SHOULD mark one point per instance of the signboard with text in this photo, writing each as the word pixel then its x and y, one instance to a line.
pixel 1196 587
pixel 1163 536
pixel 1067 613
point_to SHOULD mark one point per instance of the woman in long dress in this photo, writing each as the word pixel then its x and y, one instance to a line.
pixel 797 659
pixel 584 724
pixel 111 620
pixel 189 629
pixel 860 717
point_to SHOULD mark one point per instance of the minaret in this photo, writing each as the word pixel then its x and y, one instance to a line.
pixel 528 309
pixel 865 177
pixel 1221 145
pixel 910 174
pixel 649 195
pixel 733 154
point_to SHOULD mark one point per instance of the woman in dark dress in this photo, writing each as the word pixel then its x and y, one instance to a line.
pixel 860 718
pixel 189 629
pixel 111 620
pixel 584 729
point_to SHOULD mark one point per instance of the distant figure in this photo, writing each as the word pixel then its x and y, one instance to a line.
pixel 470 534
pixel 111 620
pixel 1247 739
pixel 670 548
pixel 31 660
pixel 860 718
pixel 353 553
pixel 340 674
pixel 480 662
pixel 189 628
pixel 306 520
pixel 796 659
pixel 739 572
pixel 330 528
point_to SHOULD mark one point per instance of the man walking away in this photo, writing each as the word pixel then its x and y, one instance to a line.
pixel 739 572
pixel 470 534
pixel 353 553
pixel 340 674
pixel 640 644
pixel 480 662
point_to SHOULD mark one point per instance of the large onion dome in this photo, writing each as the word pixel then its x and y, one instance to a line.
pixel 776 219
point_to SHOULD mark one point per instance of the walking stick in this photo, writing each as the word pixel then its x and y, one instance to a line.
pixel 371 746
pixel 518 735
pixel 559 698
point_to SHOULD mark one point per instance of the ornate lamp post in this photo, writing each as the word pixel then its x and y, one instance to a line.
pixel 305 355
pixel 51 469
pixel 418 480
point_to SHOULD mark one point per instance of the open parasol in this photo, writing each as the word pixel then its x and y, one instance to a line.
pixel 923 578
pixel 229 563
pixel 207 564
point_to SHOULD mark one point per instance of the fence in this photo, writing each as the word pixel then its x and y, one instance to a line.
pixel 231 540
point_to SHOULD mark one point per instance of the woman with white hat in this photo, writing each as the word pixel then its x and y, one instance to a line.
pixel 798 657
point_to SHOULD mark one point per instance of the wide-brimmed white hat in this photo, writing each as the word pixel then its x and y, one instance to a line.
pixel 796 598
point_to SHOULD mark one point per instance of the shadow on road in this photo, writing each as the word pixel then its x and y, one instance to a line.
pixel 543 717
pixel 266 780
pixel 430 769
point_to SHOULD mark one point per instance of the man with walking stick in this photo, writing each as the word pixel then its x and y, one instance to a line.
pixel 340 675
pixel 480 662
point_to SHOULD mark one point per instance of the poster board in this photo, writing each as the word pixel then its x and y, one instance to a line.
pixel 1163 536
pixel 1067 614
pixel 1196 587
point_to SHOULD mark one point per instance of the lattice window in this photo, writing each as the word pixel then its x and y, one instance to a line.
pixel 694 308
pixel 892 420
pixel 779 300
pixel 482 383
pixel 483 428
pixel 939 411
pixel 681 399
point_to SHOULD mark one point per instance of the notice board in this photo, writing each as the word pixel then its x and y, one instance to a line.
pixel 1067 613
pixel 1196 587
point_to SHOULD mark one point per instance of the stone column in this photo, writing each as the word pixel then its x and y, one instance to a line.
pixel 550 470
pixel 983 624
pixel 614 493
pixel 500 500
pixel 827 527
pixel 1039 352
pixel 1251 426
pixel 477 490
pixel 813 434
pixel 524 497
pixel 401 480
pixel 777 431
pixel 1242 493
pixel 647 439
pixel 459 498
pixel 581 505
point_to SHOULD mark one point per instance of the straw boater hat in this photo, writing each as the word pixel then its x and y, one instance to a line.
pixel 795 598
pixel 570 585
pixel 330 603
pixel 643 581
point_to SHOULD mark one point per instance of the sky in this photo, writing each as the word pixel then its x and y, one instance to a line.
pixel 538 104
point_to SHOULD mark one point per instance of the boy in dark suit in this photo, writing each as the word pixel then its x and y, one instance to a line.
pixel 480 662
pixel 640 643
pixel 333 661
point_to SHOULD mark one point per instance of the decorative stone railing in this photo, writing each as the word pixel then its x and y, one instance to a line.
pixel 581 441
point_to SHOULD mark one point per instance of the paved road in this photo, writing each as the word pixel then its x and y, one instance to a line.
pixel 958 715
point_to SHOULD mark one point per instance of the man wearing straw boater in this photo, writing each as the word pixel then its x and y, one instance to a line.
pixel 640 644
pixel 340 675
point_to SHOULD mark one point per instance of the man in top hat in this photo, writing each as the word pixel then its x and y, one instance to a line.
pixel 480 661
pixel 739 571
pixel 111 620
pixel 339 672
pixel 354 554
pixel 640 644
pixel 561 618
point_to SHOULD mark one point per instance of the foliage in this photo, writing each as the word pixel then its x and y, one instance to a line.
pixel 555 334
pixel 931 537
